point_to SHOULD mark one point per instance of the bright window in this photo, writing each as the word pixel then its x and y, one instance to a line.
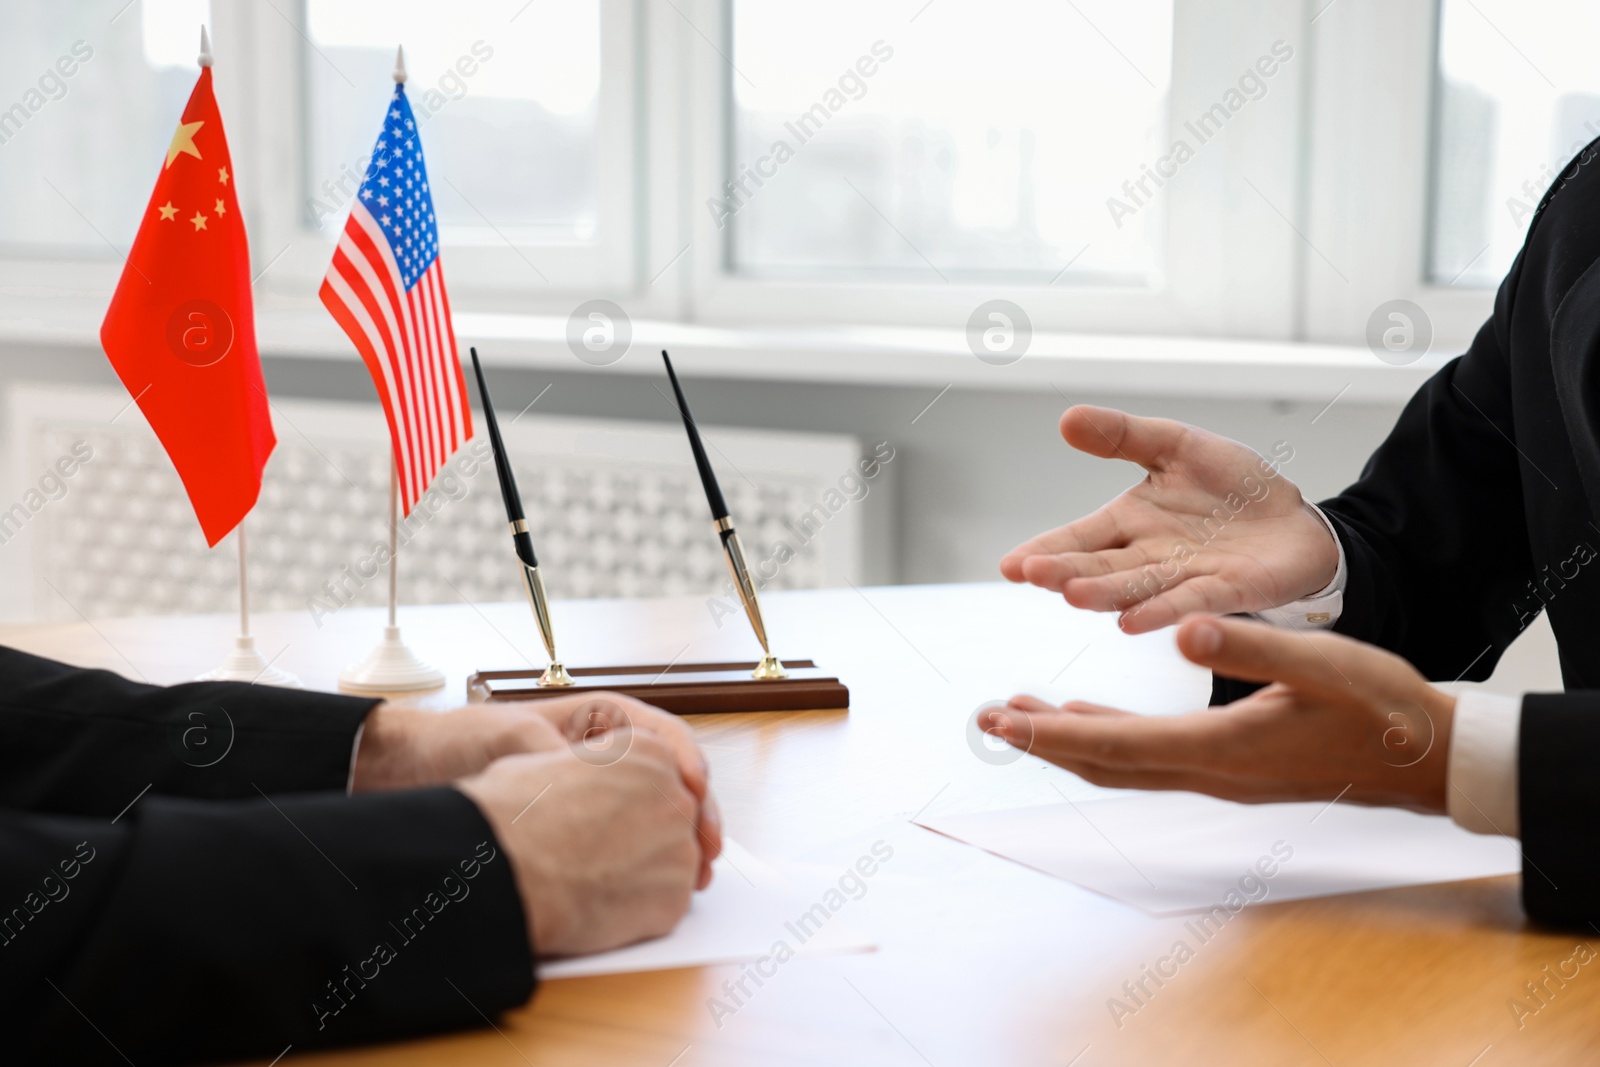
pixel 89 95
pixel 507 96
pixel 835 164
pixel 970 142
pixel 1517 95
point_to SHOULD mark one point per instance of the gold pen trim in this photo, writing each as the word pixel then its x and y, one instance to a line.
pixel 520 526
pixel 769 669
pixel 555 675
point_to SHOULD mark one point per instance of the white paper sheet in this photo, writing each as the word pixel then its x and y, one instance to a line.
pixel 745 912
pixel 1180 852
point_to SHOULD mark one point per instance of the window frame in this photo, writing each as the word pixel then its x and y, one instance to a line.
pixel 482 277
pixel 1344 152
pixel 1370 142
pixel 1183 298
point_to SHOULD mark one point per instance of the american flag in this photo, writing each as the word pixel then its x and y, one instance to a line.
pixel 385 288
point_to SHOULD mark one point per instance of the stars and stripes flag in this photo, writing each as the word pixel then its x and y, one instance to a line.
pixel 385 288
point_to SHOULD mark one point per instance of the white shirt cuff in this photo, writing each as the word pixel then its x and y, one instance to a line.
pixel 1321 609
pixel 1481 775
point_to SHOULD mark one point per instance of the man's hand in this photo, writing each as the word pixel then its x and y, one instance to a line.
pixel 1339 715
pixel 604 855
pixel 1212 528
pixel 407 748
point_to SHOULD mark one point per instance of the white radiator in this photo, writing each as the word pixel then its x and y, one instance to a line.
pixel 615 509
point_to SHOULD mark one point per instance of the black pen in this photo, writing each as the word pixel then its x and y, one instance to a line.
pixel 769 668
pixel 555 676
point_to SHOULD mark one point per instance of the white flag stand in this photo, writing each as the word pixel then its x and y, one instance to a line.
pixel 244 663
pixel 392 667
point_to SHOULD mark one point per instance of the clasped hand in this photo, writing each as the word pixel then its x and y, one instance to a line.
pixel 629 827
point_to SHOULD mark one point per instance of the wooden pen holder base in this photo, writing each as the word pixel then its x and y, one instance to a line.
pixel 681 688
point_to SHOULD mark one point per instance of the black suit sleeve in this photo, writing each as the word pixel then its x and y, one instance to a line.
pixel 244 904
pixel 1440 532
pixel 81 742
pixel 1435 569
pixel 200 931
pixel 1559 807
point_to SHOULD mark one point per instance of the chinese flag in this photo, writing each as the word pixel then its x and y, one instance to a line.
pixel 181 328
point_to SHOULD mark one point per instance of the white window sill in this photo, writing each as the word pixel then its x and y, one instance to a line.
pixel 1073 364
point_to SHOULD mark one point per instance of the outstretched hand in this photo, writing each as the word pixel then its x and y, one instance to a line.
pixel 1340 718
pixel 1213 527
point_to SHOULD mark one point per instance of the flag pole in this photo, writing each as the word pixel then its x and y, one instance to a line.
pixel 392 667
pixel 245 663
pixel 394 541
pixel 244 587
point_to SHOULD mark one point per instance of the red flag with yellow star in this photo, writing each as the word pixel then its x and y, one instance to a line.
pixel 181 327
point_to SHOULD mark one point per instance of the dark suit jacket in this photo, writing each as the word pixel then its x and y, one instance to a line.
pixel 182 878
pixel 1482 508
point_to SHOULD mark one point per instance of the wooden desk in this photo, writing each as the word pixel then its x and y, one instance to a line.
pixel 981 961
